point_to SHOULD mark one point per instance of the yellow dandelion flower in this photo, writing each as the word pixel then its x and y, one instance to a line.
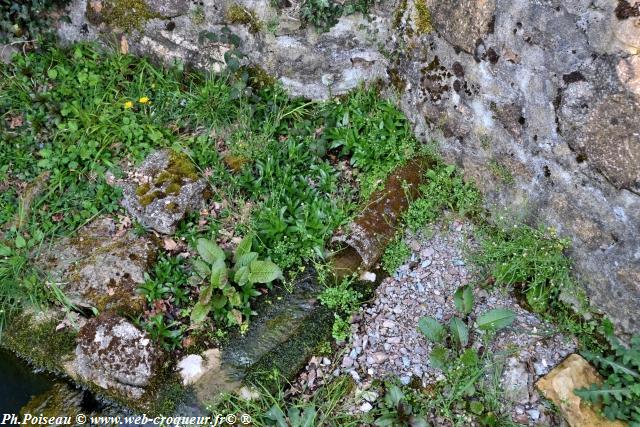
pixel 143 100
pixel 128 105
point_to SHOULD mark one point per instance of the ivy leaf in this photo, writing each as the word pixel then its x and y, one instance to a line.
pixel 263 272
pixel 496 319
pixel 209 251
pixel 432 329
pixel 463 299
pixel 459 332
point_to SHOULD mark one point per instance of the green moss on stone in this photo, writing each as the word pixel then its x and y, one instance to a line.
pixel 173 188
pixel 501 171
pixel 423 18
pixel 128 15
pixel 399 13
pixel 39 342
pixel 179 171
pixel 237 14
pixel 285 359
pixel 143 189
pixel 259 78
pixel 396 80
pixel 173 207
pixel 148 198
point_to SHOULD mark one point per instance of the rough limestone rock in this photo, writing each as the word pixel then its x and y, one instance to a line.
pixel 116 356
pixel 537 101
pixel 163 190
pixel 101 267
pixel 558 386
pixel 515 381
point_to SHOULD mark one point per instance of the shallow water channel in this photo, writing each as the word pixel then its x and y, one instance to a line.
pixel 19 383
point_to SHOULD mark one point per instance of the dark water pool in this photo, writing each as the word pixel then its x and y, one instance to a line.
pixel 19 383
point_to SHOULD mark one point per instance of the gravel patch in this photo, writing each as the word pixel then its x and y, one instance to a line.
pixel 386 342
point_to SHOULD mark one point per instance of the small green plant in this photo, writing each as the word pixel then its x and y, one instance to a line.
pixel 374 133
pixel 619 395
pixel 529 259
pixel 273 406
pixel 341 329
pixel 397 411
pixel 444 189
pixel 295 417
pixel 341 298
pixel 324 14
pixel 456 334
pixel 229 297
pixel 500 171
pixel 169 336
pixel 396 254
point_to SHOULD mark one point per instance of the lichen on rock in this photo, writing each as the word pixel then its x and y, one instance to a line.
pixel 163 189
pixel 101 267
pixel 116 356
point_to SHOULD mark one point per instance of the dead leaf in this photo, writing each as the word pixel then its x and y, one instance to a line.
pixel 170 245
pixel 16 121
pixel 124 45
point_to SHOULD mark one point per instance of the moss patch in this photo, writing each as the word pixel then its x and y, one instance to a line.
pixel 179 172
pixel 259 78
pixel 39 342
pixel 501 172
pixel 399 13
pixel 423 18
pixel 128 15
pixel 237 14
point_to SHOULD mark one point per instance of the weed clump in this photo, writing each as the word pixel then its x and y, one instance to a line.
pixel 324 14
pixel 396 253
pixel 529 259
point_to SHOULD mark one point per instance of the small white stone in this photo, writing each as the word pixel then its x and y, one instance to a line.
pixel 191 369
pixel 366 407
pixel 368 276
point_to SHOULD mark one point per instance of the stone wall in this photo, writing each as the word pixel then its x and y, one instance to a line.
pixel 538 100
